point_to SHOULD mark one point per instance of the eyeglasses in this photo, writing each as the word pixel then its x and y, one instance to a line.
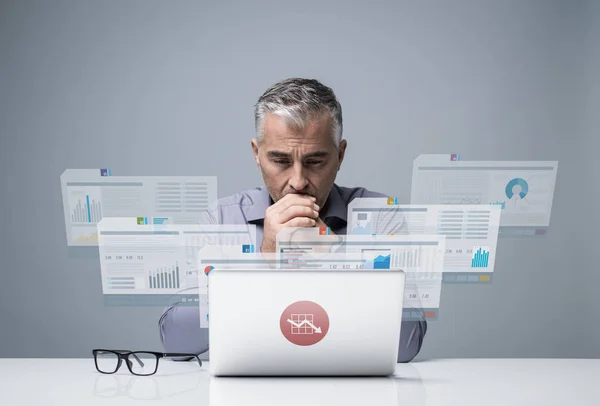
pixel 141 363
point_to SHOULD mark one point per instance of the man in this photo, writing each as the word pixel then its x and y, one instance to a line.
pixel 299 150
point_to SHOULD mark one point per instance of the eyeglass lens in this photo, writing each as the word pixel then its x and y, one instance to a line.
pixel 143 363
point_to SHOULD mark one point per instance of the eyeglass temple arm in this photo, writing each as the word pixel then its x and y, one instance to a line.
pixel 138 360
pixel 179 354
pixel 133 355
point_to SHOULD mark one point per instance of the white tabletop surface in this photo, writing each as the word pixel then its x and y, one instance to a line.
pixel 438 382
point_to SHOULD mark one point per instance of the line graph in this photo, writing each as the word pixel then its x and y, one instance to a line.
pixel 303 324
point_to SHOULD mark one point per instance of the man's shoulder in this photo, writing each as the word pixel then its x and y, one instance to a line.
pixel 350 193
pixel 241 207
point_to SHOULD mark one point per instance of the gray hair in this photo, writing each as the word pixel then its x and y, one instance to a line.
pixel 299 101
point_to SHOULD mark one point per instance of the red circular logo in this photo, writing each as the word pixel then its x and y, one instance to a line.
pixel 304 323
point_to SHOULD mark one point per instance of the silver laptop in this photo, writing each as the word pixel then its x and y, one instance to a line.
pixel 304 322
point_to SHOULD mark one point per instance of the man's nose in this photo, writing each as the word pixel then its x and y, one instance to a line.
pixel 298 180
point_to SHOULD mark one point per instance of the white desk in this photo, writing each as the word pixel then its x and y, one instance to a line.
pixel 461 382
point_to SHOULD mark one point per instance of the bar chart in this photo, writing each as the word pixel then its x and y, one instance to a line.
pixel 85 207
pixel 409 258
pixel 481 257
pixel 164 277
pixel 419 259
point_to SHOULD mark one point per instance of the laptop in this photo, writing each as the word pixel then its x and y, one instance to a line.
pixel 304 322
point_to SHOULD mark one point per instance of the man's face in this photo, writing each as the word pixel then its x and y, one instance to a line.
pixel 303 162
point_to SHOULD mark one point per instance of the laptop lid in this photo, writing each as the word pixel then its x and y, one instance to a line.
pixel 304 321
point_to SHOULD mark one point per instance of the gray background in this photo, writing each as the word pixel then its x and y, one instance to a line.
pixel 108 83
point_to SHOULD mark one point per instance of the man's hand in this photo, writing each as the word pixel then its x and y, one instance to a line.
pixel 292 210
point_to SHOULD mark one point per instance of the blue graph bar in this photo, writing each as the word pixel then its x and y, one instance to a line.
pixel 87 199
pixel 480 258
pixel 164 278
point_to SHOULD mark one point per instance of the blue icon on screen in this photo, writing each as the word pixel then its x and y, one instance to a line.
pixel 522 183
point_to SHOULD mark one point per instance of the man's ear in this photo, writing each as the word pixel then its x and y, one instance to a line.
pixel 254 145
pixel 341 152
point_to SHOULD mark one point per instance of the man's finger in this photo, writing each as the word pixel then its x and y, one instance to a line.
pixel 294 200
pixel 296 211
pixel 300 222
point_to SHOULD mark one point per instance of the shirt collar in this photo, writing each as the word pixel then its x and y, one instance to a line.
pixel 334 210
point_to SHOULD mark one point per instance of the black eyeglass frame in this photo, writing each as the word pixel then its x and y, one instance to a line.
pixel 123 355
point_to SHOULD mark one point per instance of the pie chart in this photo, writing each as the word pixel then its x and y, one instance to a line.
pixel 208 269
pixel 522 183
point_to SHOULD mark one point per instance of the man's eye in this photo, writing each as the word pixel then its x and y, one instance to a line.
pixel 281 161
pixel 313 162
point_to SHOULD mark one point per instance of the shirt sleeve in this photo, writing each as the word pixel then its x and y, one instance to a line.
pixel 179 325
pixel 180 331
pixel 391 221
pixel 412 334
